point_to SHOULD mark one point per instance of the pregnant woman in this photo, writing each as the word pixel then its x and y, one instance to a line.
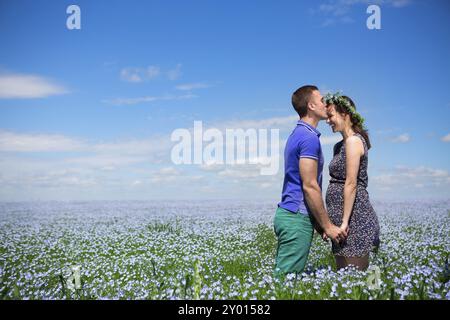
pixel 347 199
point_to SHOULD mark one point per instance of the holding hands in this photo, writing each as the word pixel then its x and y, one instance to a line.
pixel 344 226
pixel 335 233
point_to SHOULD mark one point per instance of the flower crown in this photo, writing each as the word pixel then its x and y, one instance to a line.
pixel 338 99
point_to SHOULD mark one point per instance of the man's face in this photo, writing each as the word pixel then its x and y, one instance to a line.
pixel 320 109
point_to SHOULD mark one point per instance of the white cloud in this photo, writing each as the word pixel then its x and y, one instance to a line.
pixel 108 168
pixel 130 75
pixel 172 176
pixel 175 73
pixel 136 183
pixel 133 74
pixel 283 123
pixel 105 162
pixel 399 3
pixel 325 140
pixel 244 176
pixel 53 180
pixel 128 101
pixel 265 185
pixel 402 177
pixel 99 166
pixel 386 131
pixel 403 138
pixel 132 146
pixel 20 142
pixel 337 11
pixel 22 86
pixel 141 74
pixel 131 101
pixel 240 172
pixel 336 8
pixel 151 72
pixel 22 174
pixel 165 175
pixel 192 86
pixel 446 138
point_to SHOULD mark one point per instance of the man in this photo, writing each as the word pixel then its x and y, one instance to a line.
pixel 301 205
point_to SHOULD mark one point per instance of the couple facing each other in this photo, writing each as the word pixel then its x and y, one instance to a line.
pixel 348 219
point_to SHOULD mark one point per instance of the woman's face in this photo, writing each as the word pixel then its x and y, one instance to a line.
pixel 335 119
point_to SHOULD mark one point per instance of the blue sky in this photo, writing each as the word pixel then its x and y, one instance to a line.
pixel 87 114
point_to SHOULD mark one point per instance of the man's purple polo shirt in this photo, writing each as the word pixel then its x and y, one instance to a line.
pixel 302 143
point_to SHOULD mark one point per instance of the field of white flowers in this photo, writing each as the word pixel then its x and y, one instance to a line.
pixel 206 250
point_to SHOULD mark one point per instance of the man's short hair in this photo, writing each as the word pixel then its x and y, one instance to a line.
pixel 300 99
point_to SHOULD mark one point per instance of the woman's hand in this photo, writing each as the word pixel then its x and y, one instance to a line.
pixel 344 226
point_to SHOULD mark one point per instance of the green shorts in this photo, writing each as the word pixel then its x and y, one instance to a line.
pixel 294 233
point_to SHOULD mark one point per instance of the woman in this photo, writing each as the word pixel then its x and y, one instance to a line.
pixel 347 198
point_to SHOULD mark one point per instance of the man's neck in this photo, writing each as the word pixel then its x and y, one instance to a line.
pixel 310 120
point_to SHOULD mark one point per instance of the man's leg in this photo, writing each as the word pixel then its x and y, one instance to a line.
pixel 294 232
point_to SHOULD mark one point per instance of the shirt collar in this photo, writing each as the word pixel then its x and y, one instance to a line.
pixel 308 126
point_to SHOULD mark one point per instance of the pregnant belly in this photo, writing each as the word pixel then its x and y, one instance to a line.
pixel 335 194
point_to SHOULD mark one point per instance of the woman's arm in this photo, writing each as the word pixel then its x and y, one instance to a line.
pixel 354 149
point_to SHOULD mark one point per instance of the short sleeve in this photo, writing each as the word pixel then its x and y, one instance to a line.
pixel 309 148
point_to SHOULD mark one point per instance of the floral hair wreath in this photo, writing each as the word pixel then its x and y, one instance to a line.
pixel 338 99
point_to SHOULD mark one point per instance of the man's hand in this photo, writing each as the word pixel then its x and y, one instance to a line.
pixel 335 233
pixel 319 230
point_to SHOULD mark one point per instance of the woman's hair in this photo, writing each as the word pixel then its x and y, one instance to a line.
pixel 356 124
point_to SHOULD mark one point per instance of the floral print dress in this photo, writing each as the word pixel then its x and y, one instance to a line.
pixel 364 229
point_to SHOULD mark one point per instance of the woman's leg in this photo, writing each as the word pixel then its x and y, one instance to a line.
pixel 362 263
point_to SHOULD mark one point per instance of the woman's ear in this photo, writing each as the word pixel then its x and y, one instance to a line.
pixel 348 118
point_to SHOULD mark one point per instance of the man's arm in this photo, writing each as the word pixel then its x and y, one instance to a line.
pixel 313 197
